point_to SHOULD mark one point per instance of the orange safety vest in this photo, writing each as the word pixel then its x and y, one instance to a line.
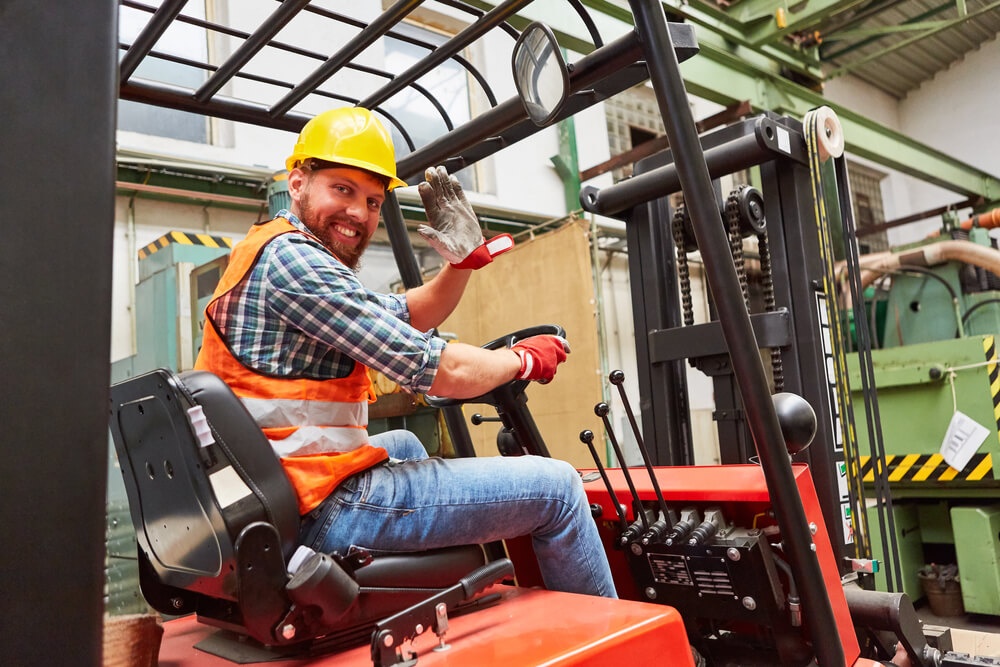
pixel 317 427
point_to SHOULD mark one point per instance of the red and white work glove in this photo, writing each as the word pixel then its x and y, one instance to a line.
pixel 453 228
pixel 539 357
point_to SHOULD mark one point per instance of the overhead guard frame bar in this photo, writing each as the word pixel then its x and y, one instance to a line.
pixel 489 20
pixel 368 36
pixel 249 48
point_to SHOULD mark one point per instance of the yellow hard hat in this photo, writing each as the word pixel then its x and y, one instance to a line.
pixel 350 136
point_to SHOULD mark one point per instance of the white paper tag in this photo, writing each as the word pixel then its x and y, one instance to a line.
pixel 784 141
pixel 962 439
pixel 228 486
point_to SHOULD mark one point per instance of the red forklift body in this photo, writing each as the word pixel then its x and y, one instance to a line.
pixel 527 627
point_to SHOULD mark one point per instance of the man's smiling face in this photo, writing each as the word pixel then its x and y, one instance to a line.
pixel 340 205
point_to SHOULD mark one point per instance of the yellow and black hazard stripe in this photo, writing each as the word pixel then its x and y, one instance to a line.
pixel 993 370
pixel 929 468
pixel 184 238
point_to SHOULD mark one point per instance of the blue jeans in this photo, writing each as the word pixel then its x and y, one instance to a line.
pixel 426 503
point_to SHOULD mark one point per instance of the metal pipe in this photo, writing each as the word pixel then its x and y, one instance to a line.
pixel 506 115
pixel 284 84
pixel 478 13
pixel 664 71
pixel 377 28
pixel 187 194
pixel 176 97
pixel 914 217
pixel 144 42
pixel 445 51
pixel 746 151
pixel 399 239
pixel 254 43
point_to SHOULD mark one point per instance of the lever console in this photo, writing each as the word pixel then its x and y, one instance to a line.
pixel 704 541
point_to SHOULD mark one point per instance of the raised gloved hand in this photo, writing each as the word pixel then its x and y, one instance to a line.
pixel 453 228
pixel 539 357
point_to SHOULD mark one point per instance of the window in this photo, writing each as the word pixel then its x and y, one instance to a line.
pixel 181 40
pixel 866 193
pixel 448 83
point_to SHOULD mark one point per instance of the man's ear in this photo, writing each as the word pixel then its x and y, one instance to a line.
pixel 297 181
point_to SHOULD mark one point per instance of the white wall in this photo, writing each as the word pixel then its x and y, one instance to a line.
pixel 954 112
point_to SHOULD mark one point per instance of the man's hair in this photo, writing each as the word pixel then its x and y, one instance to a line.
pixel 313 164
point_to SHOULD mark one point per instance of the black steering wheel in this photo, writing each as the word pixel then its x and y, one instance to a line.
pixel 509 389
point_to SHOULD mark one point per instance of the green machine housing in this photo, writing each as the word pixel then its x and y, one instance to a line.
pixel 938 353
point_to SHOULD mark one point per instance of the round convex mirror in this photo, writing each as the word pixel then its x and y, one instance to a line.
pixel 540 73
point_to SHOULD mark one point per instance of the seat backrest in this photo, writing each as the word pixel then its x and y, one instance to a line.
pixel 190 496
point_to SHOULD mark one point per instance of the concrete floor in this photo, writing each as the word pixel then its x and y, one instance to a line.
pixel 975 634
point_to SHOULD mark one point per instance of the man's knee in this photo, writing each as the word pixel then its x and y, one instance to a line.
pixel 564 480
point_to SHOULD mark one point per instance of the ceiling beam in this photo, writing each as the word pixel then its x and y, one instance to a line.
pixel 945 25
pixel 784 22
pixel 717 76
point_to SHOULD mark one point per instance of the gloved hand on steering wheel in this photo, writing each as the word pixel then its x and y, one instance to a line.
pixel 453 228
pixel 539 357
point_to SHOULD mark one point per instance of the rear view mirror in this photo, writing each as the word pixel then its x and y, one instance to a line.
pixel 540 73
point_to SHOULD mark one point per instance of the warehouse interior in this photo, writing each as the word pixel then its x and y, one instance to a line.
pixel 849 149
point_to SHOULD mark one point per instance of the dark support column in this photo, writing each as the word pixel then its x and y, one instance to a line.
pixel 671 97
pixel 409 272
pixel 57 180
pixel 666 422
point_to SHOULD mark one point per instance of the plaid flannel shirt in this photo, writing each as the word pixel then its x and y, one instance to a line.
pixel 303 313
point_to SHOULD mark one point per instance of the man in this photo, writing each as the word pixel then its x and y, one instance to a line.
pixel 293 332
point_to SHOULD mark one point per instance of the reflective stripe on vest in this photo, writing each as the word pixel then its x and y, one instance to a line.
pixel 317 427
pixel 283 412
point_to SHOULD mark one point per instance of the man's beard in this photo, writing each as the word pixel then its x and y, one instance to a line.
pixel 322 229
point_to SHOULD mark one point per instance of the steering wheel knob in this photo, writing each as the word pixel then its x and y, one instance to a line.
pixel 602 409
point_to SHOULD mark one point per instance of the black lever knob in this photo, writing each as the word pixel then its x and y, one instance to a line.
pixel 602 409
pixel 478 419
pixel 616 377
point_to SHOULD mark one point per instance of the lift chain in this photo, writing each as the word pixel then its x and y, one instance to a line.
pixel 770 305
pixel 683 273
pixel 736 240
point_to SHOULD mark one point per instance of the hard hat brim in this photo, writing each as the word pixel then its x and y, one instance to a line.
pixel 295 159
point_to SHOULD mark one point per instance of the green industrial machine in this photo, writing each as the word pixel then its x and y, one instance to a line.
pixel 172 290
pixel 938 341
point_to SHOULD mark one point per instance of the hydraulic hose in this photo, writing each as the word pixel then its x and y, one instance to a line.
pixel 876 264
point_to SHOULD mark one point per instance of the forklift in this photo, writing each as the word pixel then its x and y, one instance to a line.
pixel 743 562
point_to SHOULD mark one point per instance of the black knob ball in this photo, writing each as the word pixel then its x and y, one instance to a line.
pixel 797 420
pixel 586 436
pixel 602 409
pixel 616 377
pixel 476 419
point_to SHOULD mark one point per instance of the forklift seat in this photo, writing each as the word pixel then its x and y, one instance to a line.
pixel 217 522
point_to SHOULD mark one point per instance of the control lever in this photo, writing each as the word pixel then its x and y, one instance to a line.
pixel 635 530
pixel 656 531
pixel 391 633
pixel 587 438
pixel 713 522
pixel 689 519
pixel 617 378
pixel 602 410
pixel 478 419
